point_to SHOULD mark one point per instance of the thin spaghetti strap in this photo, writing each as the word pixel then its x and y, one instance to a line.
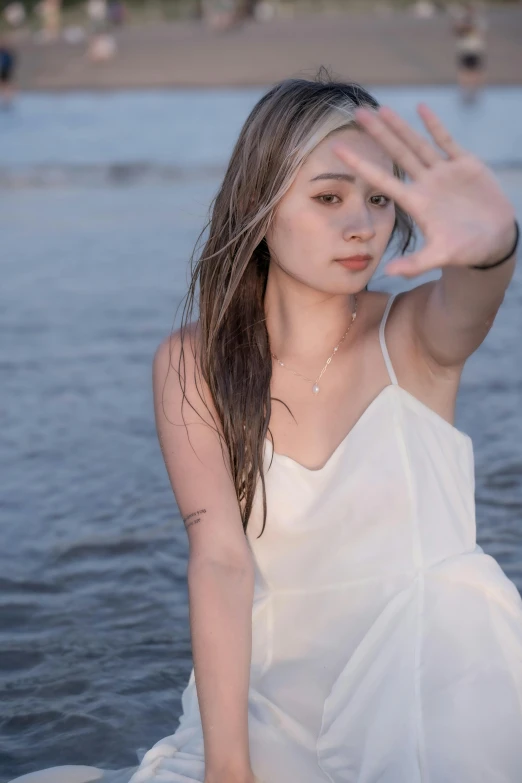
pixel 386 355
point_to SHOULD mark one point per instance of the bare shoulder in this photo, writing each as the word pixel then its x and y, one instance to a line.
pixel 171 347
pixel 176 373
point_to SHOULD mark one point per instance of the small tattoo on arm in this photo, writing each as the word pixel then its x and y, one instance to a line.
pixel 194 517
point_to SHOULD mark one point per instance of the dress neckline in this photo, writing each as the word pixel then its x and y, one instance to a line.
pixel 423 408
pixel 394 384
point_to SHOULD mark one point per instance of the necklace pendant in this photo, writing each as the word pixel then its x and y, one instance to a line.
pixel 315 388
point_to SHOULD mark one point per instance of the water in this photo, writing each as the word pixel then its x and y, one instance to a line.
pixel 102 197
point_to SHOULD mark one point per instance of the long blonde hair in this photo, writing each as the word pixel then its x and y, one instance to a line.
pixel 229 276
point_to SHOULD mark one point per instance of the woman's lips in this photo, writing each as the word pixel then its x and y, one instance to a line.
pixel 356 263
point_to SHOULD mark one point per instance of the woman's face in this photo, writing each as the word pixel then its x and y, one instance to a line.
pixel 328 214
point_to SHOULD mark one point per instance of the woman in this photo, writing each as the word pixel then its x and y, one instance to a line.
pixel 345 625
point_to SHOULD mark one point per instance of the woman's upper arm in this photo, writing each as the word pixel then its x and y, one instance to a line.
pixel 448 332
pixel 197 466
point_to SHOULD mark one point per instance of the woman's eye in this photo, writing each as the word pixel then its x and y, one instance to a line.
pixel 326 198
pixel 380 201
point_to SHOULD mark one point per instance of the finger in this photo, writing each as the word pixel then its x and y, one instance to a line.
pixel 439 132
pixel 375 175
pixel 425 151
pixel 388 139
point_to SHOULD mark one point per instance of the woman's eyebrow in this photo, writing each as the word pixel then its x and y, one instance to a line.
pixel 333 175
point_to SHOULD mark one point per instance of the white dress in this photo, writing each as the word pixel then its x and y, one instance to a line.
pixel 387 647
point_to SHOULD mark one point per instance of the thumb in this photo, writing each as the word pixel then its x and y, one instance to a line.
pixel 411 265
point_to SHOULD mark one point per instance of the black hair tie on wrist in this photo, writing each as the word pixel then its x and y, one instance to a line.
pixel 497 263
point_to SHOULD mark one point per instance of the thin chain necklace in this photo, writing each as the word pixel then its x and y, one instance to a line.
pixel 316 387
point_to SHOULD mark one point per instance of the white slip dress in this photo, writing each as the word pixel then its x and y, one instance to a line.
pixel 386 645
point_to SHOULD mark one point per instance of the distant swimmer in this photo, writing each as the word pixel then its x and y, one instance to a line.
pixel 470 30
pixel 7 69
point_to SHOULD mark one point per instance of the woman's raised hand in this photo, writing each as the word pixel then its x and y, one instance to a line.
pixel 452 195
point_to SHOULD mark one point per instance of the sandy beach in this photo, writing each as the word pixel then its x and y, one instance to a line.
pixel 365 47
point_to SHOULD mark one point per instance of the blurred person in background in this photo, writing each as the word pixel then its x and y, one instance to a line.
pixel 15 14
pixel 116 13
pixel 469 28
pixel 247 8
pixel 51 15
pixel 102 45
pixel 8 58
pixel 97 13
pixel 424 9
pixel 222 15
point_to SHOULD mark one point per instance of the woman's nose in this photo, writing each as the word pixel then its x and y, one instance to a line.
pixel 358 227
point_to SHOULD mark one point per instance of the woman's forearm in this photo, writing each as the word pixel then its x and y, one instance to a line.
pixel 220 603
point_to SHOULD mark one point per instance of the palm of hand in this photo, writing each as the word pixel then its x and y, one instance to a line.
pixel 451 194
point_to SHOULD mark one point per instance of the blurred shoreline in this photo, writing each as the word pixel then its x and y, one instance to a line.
pixel 395 49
